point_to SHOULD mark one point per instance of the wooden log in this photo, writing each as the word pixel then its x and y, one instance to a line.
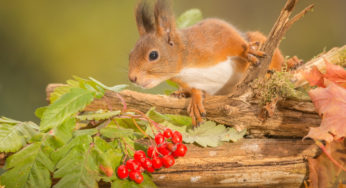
pixel 246 163
pixel 291 120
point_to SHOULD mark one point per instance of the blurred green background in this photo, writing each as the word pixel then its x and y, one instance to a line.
pixel 46 41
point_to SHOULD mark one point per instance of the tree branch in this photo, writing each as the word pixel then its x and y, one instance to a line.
pixel 281 26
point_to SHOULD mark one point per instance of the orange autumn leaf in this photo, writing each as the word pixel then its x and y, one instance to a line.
pixel 314 77
pixel 323 172
pixel 106 170
pixel 335 74
pixel 330 103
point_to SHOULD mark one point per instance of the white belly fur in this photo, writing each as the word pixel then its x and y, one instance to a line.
pixel 210 79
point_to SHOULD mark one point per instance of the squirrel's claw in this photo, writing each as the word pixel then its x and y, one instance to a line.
pixel 195 108
pixel 253 52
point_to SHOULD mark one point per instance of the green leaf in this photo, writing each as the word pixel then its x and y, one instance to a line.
pixel 77 82
pixel 65 107
pixel 210 134
pixel 60 91
pixel 60 135
pixel 116 88
pixel 174 119
pixel 77 168
pixel 5 120
pixel 39 111
pixel 189 18
pixel 115 132
pixel 147 183
pixel 76 141
pixel 105 154
pixel 15 134
pixel 233 135
pixel 29 167
pixel 98 115
pixel 89 132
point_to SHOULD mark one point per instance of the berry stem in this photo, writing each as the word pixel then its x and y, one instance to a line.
pixel 142 131
pixel 122 102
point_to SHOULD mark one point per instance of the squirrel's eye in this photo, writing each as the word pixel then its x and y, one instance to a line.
pixel 153 55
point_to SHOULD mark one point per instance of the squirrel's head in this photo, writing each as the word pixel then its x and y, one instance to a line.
pixel 157 54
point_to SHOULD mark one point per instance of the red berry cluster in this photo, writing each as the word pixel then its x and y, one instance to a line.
pixel 168 146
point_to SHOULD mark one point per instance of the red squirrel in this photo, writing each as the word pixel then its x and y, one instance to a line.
pixel 209 57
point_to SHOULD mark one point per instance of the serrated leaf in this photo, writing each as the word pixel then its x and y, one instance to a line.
pixel 15 136
pixel 5 120
pixel 77 168
pixel 98 115
pixel 62 133
pixel 116 88
pixel 115 132
pixel 76 141
pixel 106 155
pixel 189 18
pixel 233 135
pixel 89 132
pixel 60 91
pixel 174 119
pixel 65 107
pixel 210 134
pixel 39 111
pixel 147 183
pixel 29 167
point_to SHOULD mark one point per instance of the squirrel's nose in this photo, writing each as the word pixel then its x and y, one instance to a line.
pixel 133 79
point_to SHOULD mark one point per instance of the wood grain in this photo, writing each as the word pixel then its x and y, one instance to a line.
pixel 247 163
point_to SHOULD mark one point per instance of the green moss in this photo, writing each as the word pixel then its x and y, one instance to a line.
pixel 342 59
pixel 278 85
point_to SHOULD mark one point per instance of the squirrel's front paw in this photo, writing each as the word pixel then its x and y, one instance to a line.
pixel 253 52
pixel 196 109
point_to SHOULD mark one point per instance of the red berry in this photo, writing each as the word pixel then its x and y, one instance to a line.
pixel 122 172
pixel 163 149
pixel 139 156
pixel 159 139
pixel 167 133
pixel 136 176
pixel 133 165
pixel 157 164
pixel 151 152
pixel 177 137
pixel 180 151
pixel 147 163
pixel 171 147
pixel 168 161
pixel 151 170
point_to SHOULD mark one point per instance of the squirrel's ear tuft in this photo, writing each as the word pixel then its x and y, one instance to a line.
pixel 164 18
pixel 144 18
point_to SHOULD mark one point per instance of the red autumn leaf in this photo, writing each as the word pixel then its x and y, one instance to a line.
pixel 330 103
pixel 314 77
pixel 106 170
pixel 323 172
pixel 335 74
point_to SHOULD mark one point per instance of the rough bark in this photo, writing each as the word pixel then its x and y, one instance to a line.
pixel 247 163
pixel 292 118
